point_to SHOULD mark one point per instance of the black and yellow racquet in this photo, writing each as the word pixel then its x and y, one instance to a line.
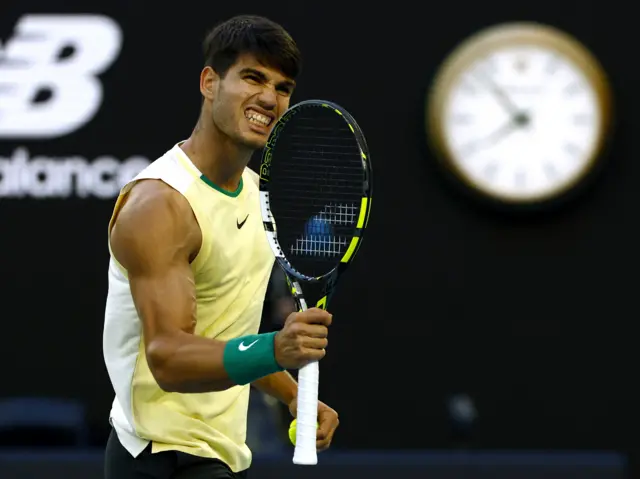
pixel 315 183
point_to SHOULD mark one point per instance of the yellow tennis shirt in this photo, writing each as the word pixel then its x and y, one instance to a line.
pixel 231 274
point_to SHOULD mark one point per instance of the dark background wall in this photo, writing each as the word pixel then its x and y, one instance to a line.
pixel 532 316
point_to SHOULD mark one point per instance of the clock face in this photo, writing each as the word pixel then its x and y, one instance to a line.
pixel 520 121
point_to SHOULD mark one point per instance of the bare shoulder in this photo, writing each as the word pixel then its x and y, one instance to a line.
pixel 152 197
pixel 153 203
pixel 155 220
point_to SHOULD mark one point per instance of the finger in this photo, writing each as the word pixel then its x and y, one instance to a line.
pixel 315 343
pixel 303 330
pixel 323 445
pixel 313 354
pixel 314 330
pixel 324 436
pixel 292 317
pixel 324 430
pixel 314 316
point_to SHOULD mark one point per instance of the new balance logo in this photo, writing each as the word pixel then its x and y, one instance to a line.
pixel 48 73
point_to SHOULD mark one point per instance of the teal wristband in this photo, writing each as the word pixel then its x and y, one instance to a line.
pixel 249 358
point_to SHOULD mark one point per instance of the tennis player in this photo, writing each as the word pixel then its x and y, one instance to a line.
pixel 189 268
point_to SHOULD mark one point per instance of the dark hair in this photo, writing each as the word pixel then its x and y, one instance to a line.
pixel 266 40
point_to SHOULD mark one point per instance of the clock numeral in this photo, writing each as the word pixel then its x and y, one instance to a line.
pixel 471 148
pixel 462 119
pixel 489 171
pixel 572 149
pixel 552 65
pixel 550 171
pixel 490 68
pixel 572 88
pixel 582 119
pixel 467 87
pixel 521 64
pixel 520 179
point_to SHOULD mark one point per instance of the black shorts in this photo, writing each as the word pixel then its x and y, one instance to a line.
pixel 120 464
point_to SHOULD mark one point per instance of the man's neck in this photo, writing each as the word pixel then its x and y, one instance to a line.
pixel 216 155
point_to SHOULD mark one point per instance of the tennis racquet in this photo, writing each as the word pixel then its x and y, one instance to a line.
pixel 315 181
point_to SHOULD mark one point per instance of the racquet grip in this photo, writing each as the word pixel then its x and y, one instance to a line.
pixel 307 420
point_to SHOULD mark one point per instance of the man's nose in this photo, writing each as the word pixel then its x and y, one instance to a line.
pixel 268 98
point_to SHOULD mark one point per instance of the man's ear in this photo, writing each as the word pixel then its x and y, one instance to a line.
pixel 208 83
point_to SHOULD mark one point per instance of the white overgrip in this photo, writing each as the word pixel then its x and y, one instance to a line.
pixel 307 420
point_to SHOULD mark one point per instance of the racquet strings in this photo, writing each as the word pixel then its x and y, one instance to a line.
pixel 316 188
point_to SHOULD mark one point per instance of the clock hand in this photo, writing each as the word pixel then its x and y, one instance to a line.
pixel 500 95
pixel 493 138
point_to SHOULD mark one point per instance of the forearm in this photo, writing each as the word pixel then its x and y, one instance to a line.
pixel 188 364
pixel 280 385
pixel 193 364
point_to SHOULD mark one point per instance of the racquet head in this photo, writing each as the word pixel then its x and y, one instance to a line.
pixel 315 189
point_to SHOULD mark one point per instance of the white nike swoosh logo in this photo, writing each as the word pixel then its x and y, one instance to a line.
pixel 242 347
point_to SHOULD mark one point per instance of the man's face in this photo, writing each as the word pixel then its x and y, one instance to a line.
pixel 249 100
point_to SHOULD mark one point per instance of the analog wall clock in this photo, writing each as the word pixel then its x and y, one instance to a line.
pixel 519 112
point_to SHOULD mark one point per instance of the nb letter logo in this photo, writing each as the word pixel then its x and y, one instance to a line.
pixel 48 73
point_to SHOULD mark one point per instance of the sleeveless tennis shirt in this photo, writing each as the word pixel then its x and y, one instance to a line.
pixel 231 273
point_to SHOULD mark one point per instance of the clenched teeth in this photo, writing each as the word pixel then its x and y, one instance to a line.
pixel 257 118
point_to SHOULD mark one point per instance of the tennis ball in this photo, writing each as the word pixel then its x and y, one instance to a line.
pixel 292 431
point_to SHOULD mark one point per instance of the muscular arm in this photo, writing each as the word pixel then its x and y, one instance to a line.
pixel 155 237
pixel 280 385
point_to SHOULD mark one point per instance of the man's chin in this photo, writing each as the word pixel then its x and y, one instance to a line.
pixel 253 141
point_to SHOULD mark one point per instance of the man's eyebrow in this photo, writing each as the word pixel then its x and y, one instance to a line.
pixel 253 71
pixel 263 77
